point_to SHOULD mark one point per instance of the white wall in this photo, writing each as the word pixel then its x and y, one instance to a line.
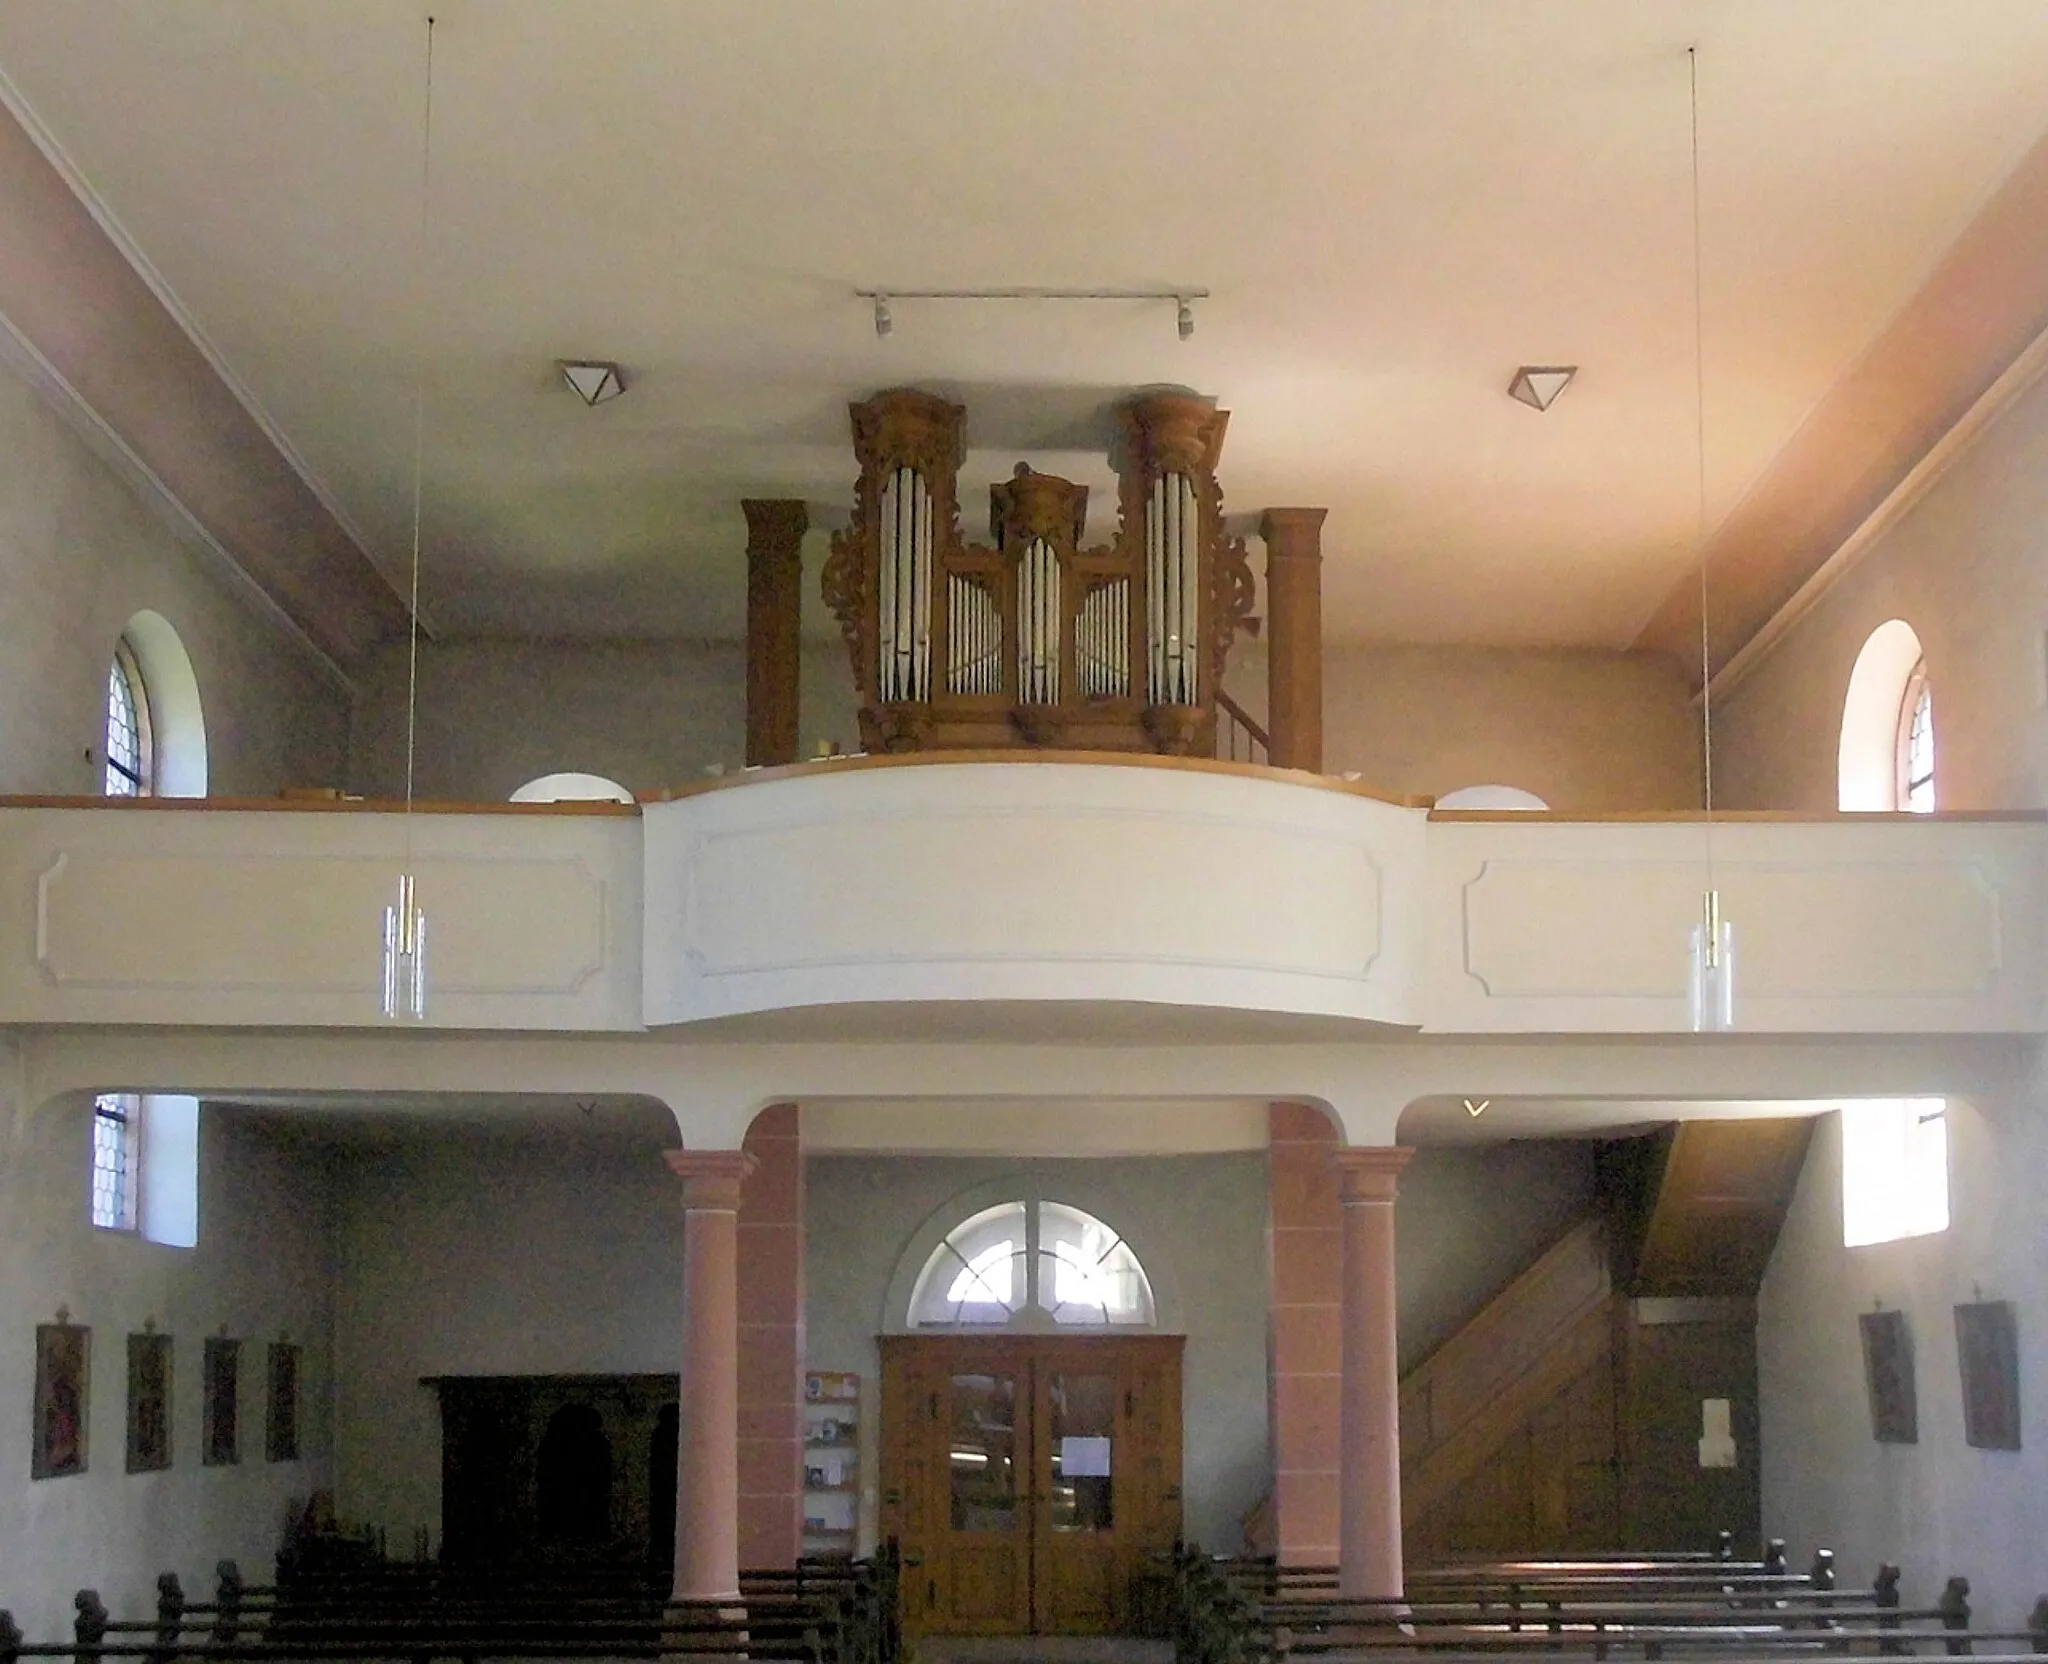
pixel 489 1255
pixel 1967 567
pixel 1584 731
pixel 261 1272
pixel 493 715
pixel 1936 1507
pixel 79 557
pixel 1471 1219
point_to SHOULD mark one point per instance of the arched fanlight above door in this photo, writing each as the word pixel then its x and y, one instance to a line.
pixel 1032 1265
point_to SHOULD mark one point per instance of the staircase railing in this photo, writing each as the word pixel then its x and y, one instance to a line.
pixel 1239 737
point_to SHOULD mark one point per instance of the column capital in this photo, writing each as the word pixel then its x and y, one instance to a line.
pixel 1370 1174
pixel 775 522
pixel 711 1178
pixel 1293 532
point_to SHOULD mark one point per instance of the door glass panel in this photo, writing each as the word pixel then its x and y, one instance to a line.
pixel 983 1453
pixel 1082 1436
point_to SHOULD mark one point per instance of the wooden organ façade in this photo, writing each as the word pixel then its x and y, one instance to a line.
pixel 1034 640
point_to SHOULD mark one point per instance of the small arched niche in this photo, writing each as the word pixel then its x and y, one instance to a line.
pixel 177 722
pixel 572 788
pixel 1868 757
pixel 1491 797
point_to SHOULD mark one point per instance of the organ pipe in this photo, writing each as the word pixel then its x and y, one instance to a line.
pixel 1038 640
pixel 1173 590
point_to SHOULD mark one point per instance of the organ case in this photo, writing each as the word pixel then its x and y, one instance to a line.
pixel 1033 640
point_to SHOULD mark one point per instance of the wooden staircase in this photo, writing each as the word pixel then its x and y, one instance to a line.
pixel 1567 1414
pixel 1508 1428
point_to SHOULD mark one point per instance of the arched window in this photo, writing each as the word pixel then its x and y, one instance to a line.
pixel 1491 797
pixel 1916 744
pixel 116 1145
pixel 1032 1264
pixel 131 770
pixel 156 731
pixel 572 788
pixel 1887 694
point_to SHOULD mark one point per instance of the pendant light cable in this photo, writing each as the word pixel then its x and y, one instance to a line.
pixel 1699 412
pixel 1713 969
pixel 419 431
pixel 404 990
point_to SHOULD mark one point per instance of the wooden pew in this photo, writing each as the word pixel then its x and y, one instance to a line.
pixel 839 1612
pixel 1231 1614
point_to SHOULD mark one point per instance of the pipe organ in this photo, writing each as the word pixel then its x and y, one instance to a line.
pixel 1033 639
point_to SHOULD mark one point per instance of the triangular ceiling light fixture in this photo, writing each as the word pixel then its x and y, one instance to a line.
pixel 594 381
pixel 1538 385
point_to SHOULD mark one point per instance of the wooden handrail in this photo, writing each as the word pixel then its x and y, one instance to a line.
pixel 1243 719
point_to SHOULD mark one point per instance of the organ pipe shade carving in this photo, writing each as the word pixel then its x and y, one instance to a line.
pixel 1034 639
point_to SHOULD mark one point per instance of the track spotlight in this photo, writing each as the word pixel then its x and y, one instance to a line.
pixel 1187 317
pixel 884 322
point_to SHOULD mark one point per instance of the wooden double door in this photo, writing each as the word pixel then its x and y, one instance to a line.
pixel 1031 1479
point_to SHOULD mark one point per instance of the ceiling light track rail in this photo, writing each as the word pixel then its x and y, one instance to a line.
pixel 1182 296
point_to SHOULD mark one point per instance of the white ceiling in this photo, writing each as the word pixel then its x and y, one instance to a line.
pixel 1500 1120
pixel 1395 202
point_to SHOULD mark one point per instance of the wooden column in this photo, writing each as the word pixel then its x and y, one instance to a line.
pixel 1369 1487
pixel 775 588
pixel 707 1431
pixel 1294 635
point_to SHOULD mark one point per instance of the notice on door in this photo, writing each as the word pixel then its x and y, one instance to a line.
pixel 1085 1457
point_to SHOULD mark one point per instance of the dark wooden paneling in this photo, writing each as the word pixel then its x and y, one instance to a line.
pixel 1668 1371
pixel 493 1428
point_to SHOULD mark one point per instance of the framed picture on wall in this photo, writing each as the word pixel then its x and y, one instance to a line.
pixel 1988 1349
pixel 1888 1377
pixel 281 1418
pixel 221 1412
pixel 149 1403
pixel 63 1381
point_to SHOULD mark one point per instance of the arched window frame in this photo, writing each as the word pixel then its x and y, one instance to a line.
pixel 1030 1306
pixel 1916 744
pixel 128 741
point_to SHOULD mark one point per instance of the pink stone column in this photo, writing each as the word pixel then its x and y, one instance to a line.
pixel 1305 1339
pixel 707 1431
pixel 1369 1520
pixel 771 1339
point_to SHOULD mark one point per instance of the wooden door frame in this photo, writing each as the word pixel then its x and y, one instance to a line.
pixel 1149 1487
